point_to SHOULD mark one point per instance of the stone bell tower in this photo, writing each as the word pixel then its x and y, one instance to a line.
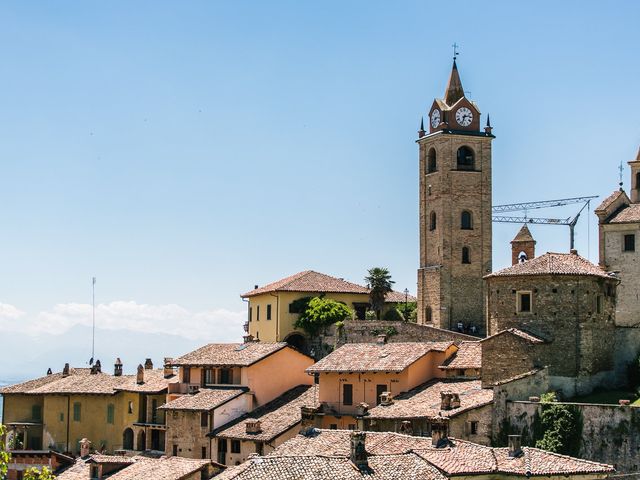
pixel 455 212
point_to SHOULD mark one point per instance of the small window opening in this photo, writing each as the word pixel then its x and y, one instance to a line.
pixel 466 221
pixel 432 221
pixel 524 302
pixel 466 159
pixel 630 243
pixel 432 164
pixel 466 256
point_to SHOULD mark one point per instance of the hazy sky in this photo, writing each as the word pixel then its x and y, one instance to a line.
pixel 182 152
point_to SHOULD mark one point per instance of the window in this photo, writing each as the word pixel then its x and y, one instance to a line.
pixel 598 304
pixel 432 164
pixel 175 450
pixel 36 413
pixel 351 426
pixel 186 375
pixel 333 426
pixel 465 221
pixel 524 302
pixel 466 256
pixel 204 420
pixel 77 411
pixel 473 428
pixel 130 410
pixel 429 314
pixel 250 310
pixel 61 417
pixel 269 312
pixel 235 446
pixel 110 413
pixel 629 243
pixel 209 376
pixel 380 389
pixel 347 394
pixel 257 313
pixel 226 376
pixel 466 159
pixel 204 452
pixel 260 448
pixel 432 221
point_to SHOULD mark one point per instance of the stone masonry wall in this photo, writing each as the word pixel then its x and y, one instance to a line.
pixel 610 433
pixel 507 356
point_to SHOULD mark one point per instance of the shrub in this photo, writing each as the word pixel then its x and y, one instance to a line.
pixel 562 426
pixel 393 315
pixel 320 313
pixel 370 315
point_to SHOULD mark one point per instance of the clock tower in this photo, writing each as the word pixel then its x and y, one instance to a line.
pixel 455 212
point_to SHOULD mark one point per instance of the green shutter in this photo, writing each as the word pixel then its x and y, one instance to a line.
pixel 110 413
pixel 77 410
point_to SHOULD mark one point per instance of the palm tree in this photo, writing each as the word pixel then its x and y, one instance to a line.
pixel 379 283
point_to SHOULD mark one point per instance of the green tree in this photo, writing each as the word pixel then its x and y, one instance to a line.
pixel 320 313
pixel 35 474
pixel 379 283
pixel 4 455
pixel 562 427
pixel 393 315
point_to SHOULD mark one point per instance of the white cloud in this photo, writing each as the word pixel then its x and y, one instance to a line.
pixel 218 324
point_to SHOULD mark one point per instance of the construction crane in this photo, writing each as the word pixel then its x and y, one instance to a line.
pixel 525 206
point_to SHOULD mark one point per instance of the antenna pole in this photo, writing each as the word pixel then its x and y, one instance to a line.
pixel 93 332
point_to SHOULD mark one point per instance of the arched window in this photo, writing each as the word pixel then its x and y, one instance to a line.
pixel 432 164
pixel 127 439
pixel 466 222
pixel 432 221
pixel 466 159
pixel 638 181
pixel 429 314
pixel 466 258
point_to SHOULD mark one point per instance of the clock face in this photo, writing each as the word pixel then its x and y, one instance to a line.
pixel 435 118
pixel 464 116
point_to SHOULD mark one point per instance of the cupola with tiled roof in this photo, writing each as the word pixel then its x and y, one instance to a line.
pixel 523 246
pixel 553 264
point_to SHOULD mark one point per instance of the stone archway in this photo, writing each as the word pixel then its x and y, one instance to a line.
pixel 298 341
pixel 127 439
pixel 141 443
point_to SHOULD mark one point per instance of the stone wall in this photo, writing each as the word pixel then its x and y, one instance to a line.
pixel 508 355
pixel 610 433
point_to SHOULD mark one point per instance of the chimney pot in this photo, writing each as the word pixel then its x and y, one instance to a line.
pixel 382 339
pixel 573 251
pixel 386 398
pixel 455 400
pixel 247 338
pixel 168 367
pixel 308 422
pixel 117 368
pixel 65 370
pixel 49 371
pixel 85 448
pixel 140 375
pixel 148 364
pixel 515 445
pixel 439 435
pixel 358 451
pixel 445 400
pixel 253 426
pixel 255 287
pixel 362 409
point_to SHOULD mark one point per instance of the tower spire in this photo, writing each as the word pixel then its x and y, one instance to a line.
pixel 454 90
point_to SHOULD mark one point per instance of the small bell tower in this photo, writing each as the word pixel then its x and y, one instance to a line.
pixel 523 246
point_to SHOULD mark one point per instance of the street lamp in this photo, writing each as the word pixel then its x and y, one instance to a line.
pixel 406 296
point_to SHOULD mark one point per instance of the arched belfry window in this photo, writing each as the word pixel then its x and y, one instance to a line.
pixel 432 164
pixel 466 159
pixel 638 181
pixel 432 221
pixel 466 257
pixel 466 221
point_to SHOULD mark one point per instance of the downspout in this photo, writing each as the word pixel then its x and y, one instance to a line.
pixel 68 411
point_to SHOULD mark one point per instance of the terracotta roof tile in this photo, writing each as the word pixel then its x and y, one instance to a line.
pixel 459 458
pixel 519 333
pixel 276 417
pixel 371 357
pixel 469 355
pixel 137 468
pixel 205 400
pixel 425 401
pixel 154 382
pixel 315 282
pixel 229 354
pixel 552 264
pixel 609 200
pixel 524 235
pixel 630 214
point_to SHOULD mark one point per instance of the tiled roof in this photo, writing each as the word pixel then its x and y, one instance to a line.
pixel 519 333
pixel 552 264
pixel 229 354
pixel 137 468
pixel 380 467
pixel 469 355
pixel 459 458
pixel 80 381
pixel 610 200
pixel 630 214
pixel 276 417
pixel 205 400
pixel 524 235
pixel 424 401
pixel 315 282
pixel 371 357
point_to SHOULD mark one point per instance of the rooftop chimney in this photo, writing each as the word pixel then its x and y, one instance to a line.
pixel 168 367
pixel 573 251
pixel 85 448
pixel 49 371
pixel 455 400
pixel 65 370
pixel 439 434
pixel 445 400
pixel 386 398
pixel 308 422
pixel 117 368
pixel 515 446
pixel 382 339
pixel 248 338
pixel 358 451
pixel 140 375
pixel 148 364
pixel 253 426
pixel 255 287
pixel 406 427
pixel 362 409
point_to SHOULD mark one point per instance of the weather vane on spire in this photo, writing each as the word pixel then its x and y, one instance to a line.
pixel 620 172
pixel 455 51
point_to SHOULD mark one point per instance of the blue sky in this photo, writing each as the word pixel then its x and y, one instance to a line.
pixel 184 151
